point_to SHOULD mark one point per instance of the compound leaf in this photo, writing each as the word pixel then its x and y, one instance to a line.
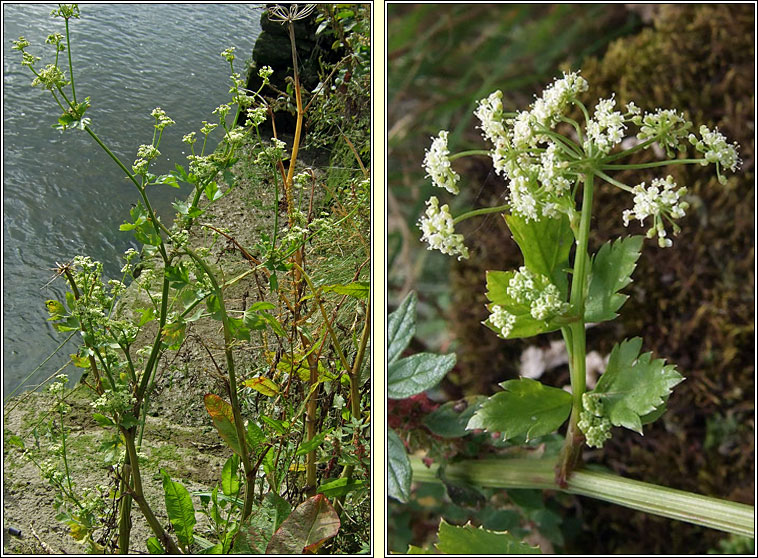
pixel 633 386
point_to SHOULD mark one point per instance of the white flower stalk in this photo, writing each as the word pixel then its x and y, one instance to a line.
pixel 502 320
pixel 661 198
pixel 439 230
pixel 437 164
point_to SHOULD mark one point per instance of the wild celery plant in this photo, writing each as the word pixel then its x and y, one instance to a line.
pixel 189 288
pixel 553 164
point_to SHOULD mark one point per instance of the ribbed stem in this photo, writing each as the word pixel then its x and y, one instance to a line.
pixel 723 515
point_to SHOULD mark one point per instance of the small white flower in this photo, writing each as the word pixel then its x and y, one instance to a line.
pixel 661 198
pixel 437 164
pixel 606 129
pixel 502 320
pixel 439 230
pixel 716 149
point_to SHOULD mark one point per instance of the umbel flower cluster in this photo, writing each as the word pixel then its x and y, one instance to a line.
pixel 542 165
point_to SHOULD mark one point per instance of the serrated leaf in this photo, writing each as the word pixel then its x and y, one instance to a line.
pixel 634 386
pixel 223 419
pixel 468 540
pixel 416 373
pixel 181 512
pixel 398 469
pixel 612 269
pixel 306 528
pixel 545 245
pixel 401 326
pixel 525 407
pixel 525 325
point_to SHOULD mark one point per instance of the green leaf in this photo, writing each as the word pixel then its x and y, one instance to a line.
pixel 401 326
pixel 306 528
pixel 356 289
pixel 634 386
pixel 256 439
pixel 399 469
pixel 414 374
pixel 238 329
pixel 612 269
pixel 223 420
pixel 450 419
pixel 169 179
pixel 154 547
pixel 525 325
pixel 468 540
pixel 312 444
pixel 525 407
pixel 179 507
pixel 256 532
pixel 419 550
pixel 263 385
pixel 545 245
pixel 230 483
pixel 340 487
pixel 212 192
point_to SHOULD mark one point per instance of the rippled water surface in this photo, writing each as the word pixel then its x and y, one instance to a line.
pixel 62 196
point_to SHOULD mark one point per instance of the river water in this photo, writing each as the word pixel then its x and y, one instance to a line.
pixel 62 196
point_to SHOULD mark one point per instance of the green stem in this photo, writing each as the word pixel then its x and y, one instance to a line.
pixel 655 164
pixel 482 211
pixel 613 181
pixel 714 513
pixel 70 65
pixel 571 453
pixel 468 153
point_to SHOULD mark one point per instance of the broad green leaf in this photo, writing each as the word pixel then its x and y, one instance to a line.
pixel 223 420
pixel 419 550
pixel 263 385
pixel 414 374
pixel 612 269
pixel 312 444
pixel 545 245
pixel 56 310
pixel 166 179
pixel 230 483
pixel 399 469
pixel 280 426
pixel 238 329
pixel 468 540
pixel 525 407
pixel 179 508
pixel 212 192
pixel 154 547
pixel 306 528
pixel 356 289
pixel 173 333
pixel 178 275
pixel 282 507
pixel 525 325
pixel 634 386
pixel 340 487
pixel 450 419
pixel 401 326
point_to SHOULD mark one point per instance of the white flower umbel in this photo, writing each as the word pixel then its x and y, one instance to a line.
pixel 502 320
pixel 537 292
pixel 439 230
pixel 716 149
pixel 557 97
pixel 661 198
pixel 490 113
pixel 606 129
pixel 668 127
pixel 437 164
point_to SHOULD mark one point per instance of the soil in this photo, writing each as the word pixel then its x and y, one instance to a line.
pixel 179 436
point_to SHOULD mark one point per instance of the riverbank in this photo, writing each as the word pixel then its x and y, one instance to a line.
pixel 179 436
